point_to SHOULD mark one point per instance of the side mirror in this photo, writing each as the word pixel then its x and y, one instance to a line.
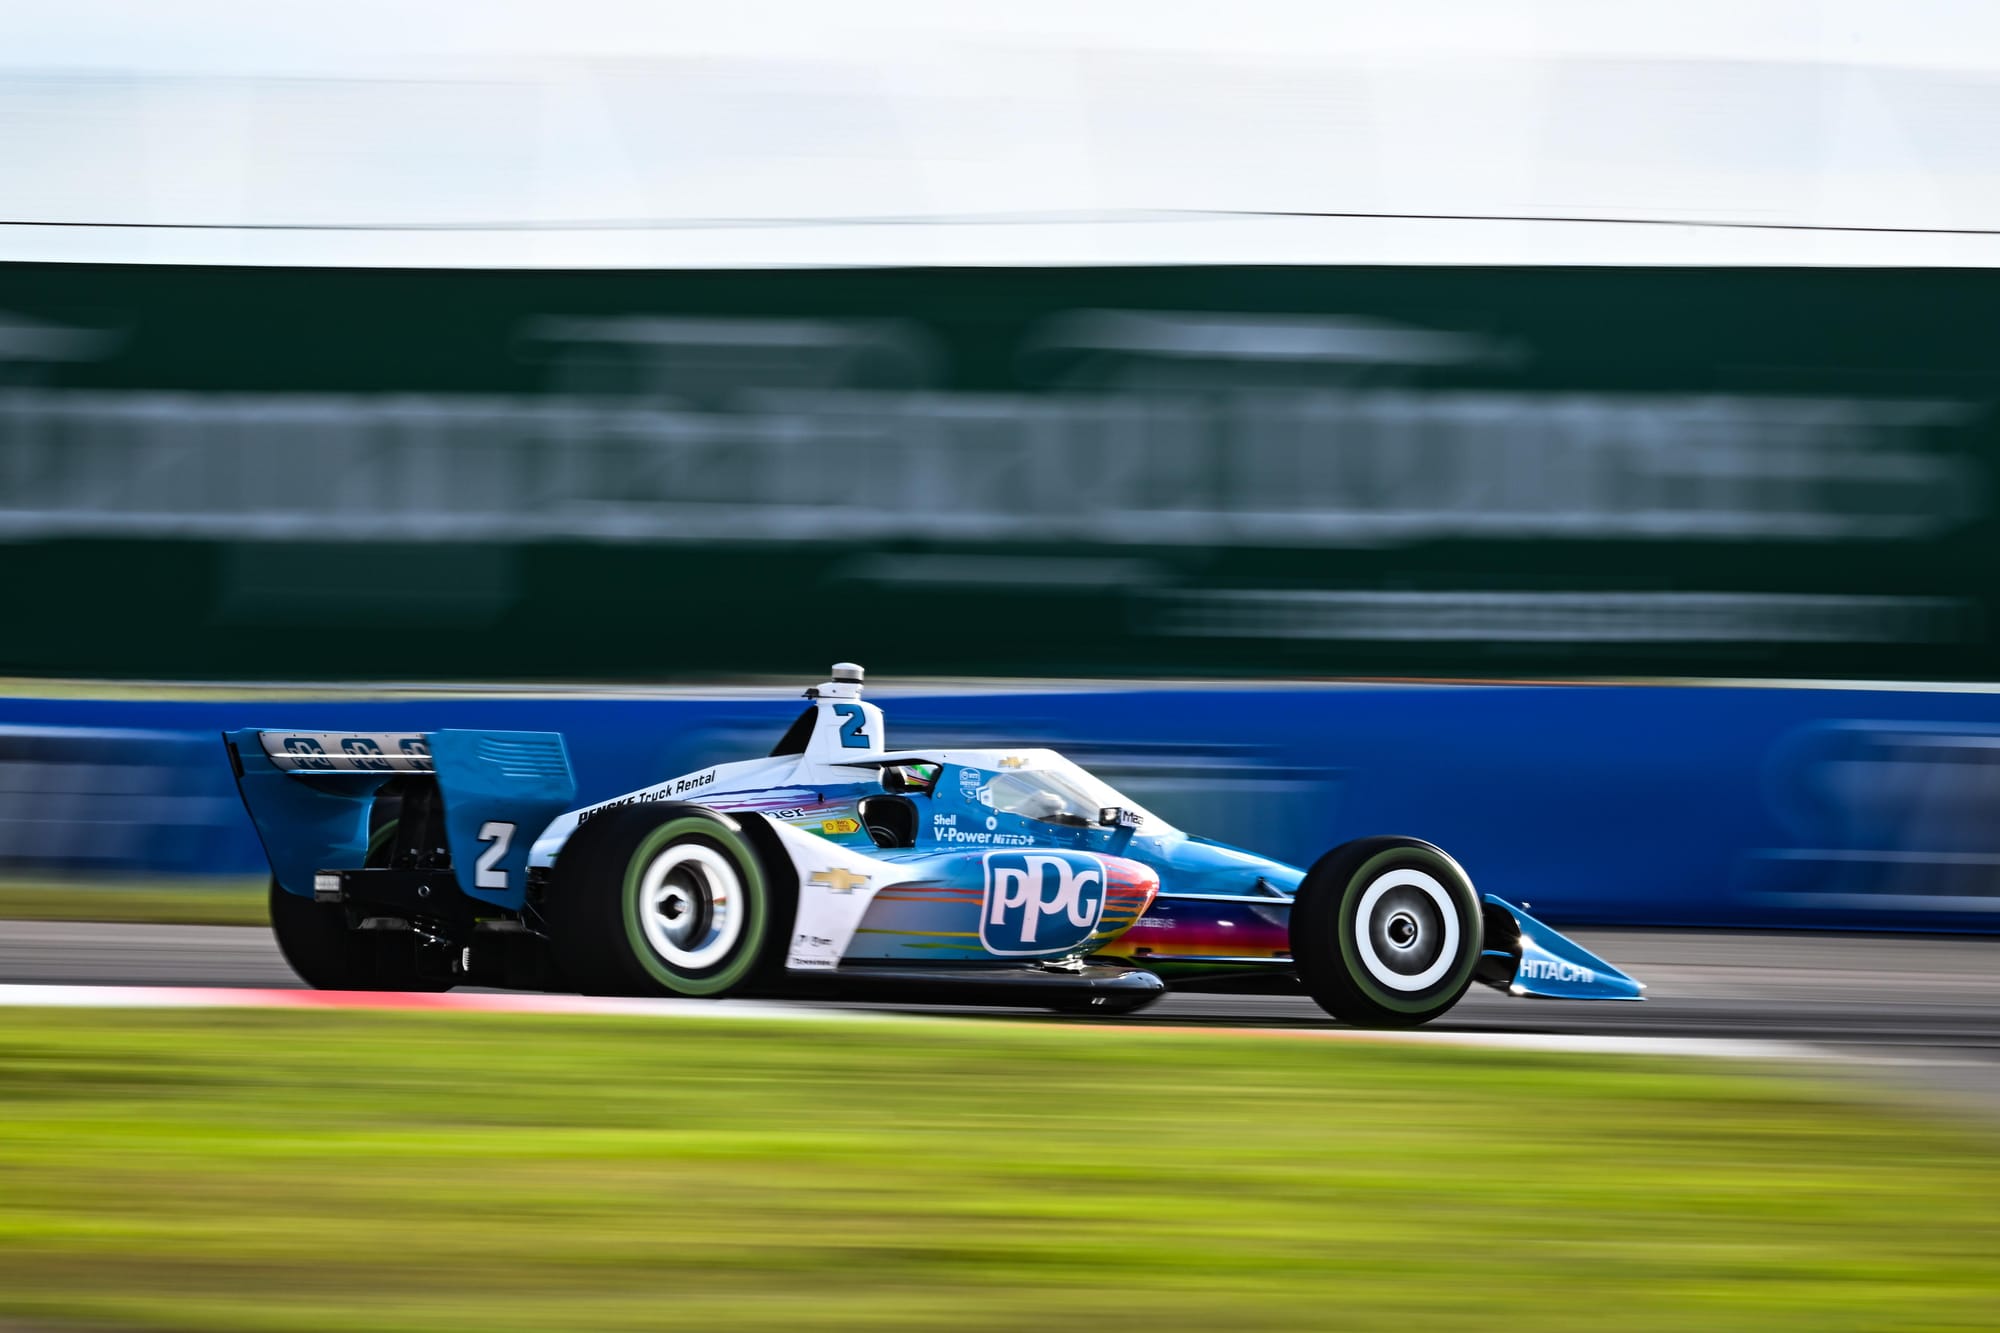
pixel 1117 816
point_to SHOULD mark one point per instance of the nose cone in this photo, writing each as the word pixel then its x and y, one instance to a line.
pixel 1196 865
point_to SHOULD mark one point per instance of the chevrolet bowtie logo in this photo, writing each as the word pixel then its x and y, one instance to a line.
pixel 1011 762
pixel 839 880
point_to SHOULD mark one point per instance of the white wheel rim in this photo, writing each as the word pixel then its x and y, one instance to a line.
pixel 691 906
pixel 1405 924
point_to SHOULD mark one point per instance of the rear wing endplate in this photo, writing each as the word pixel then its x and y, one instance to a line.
pixel 309 793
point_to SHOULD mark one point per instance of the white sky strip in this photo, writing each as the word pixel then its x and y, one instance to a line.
pixel 613 133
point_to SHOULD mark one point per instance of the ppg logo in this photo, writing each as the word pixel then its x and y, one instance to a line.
pixel 1040 902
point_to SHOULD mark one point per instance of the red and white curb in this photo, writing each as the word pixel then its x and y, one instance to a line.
pixel 477 1002
pixel 229 997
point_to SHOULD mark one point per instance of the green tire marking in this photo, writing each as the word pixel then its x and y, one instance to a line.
pixel 756 901
pixel 381 838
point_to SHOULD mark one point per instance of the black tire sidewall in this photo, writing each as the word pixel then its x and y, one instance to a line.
pixel 313 937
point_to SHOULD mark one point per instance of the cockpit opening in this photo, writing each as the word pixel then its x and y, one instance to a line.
pixel 891 821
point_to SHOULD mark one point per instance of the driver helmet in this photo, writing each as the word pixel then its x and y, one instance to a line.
pixel 1043 805
pixel 918 777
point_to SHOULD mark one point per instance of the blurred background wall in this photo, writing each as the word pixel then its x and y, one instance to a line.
pixel 319 473
pixel 1258 341
pixel 1718 805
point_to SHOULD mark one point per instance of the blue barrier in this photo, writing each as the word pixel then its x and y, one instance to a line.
pixel 1682 805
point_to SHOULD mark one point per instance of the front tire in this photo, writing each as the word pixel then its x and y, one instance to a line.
pixel 1386 932
pixel 668 899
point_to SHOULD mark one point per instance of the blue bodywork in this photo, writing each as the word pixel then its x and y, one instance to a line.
pixel 492 780
pixel 499 789
pixel 306 822
pixel 1220 909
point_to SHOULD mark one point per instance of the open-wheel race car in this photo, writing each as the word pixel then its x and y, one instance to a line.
pixel 836 866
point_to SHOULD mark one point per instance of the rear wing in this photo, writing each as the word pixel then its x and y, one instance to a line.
pixel 345 751
pixel 309 794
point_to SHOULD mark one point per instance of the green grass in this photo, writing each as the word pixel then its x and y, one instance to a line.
pixel 189 902
pixel 326 1170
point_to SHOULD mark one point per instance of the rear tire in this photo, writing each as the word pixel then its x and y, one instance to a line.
pixel 325 954
pixel 668 899
pixel 1386 932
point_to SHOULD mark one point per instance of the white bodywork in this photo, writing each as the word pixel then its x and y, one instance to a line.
pixel 836 883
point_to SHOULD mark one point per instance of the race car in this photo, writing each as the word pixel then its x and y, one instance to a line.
pixel 838 866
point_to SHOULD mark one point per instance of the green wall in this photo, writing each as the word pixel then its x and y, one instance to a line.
pixel 322 473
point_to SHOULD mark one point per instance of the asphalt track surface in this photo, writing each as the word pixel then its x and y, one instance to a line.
pixel 1886 994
